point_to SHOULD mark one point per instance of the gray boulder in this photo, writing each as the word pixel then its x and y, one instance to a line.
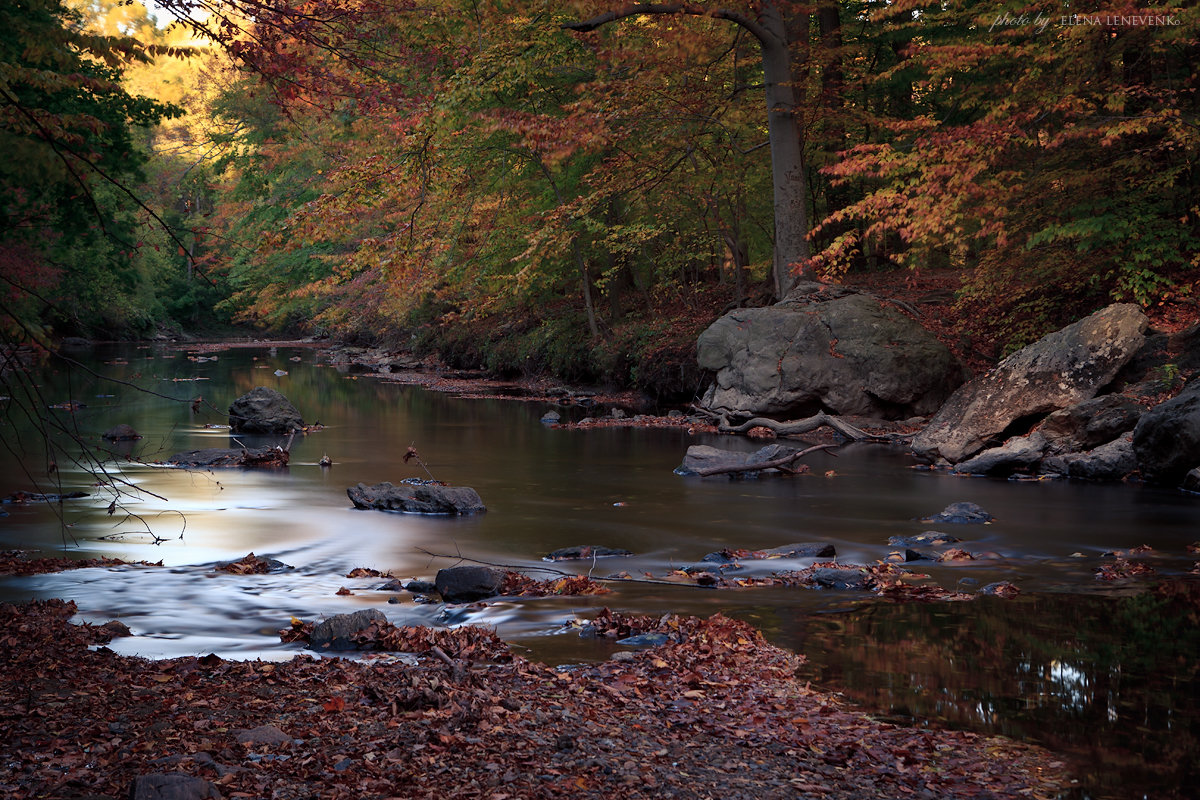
pixel 1090 423
pixel 1019 452
pixel 417 498
pixel 961 514
pixel 840 578
pixel 1060 370
pixel 264 410
pixel 823 348
pixel 1108 462
pixel 337 632
pixel 701 457
pixel 468 584
pixel 1191 481
pixel 1166 440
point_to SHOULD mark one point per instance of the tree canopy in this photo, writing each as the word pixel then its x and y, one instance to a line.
pixel 578 186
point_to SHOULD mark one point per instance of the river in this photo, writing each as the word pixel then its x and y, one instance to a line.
pixel 1104 673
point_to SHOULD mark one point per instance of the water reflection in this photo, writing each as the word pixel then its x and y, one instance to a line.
pixel 1100 675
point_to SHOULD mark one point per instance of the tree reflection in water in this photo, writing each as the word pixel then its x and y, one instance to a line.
pixel 1110 680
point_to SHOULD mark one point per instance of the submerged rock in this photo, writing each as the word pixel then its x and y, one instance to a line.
pixel 928 538
pixel 417 498
pixel 960 514
pixel 1060 370
pixel 826 348
pixel 582 551
pixel 801 550
pixel 264 410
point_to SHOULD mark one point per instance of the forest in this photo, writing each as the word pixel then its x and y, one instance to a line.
pixel 578 188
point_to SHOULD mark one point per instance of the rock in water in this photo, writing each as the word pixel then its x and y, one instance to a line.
pixel 264 410
pixel 337 632
pixel 121 433
pixel 417 499
pixel 960 514
pixel 826 348
pixel 1060 370
pixel 263 457
pixel 468 584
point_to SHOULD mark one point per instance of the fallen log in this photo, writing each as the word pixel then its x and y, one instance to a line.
pixel 808 424
pixel 775 463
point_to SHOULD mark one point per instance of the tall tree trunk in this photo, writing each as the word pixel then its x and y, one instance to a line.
pixel 787 154
pixel 783 126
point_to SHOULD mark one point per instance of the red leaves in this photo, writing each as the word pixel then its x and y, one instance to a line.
pixel 14 562
pixel 249 564
pixel 518 585
pixel 717 706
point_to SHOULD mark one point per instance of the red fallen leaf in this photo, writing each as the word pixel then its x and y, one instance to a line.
pixel 334 704
pixel 343 591
pixel 249 564
pixel 1121 569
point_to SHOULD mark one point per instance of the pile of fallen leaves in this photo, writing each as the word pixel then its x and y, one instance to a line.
pixel 518 585
pixel 17 562
pixel 714 713
pixel 467 643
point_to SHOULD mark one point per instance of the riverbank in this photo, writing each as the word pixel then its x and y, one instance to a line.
pixel 717 715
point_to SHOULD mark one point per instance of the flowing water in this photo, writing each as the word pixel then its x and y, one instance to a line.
pixel 1104 673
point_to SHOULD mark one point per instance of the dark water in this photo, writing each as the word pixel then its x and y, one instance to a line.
pixel 1105 674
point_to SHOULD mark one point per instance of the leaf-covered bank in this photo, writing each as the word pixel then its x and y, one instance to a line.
pixel 719 715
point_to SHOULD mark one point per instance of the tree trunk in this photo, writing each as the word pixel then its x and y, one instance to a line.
pixel 783 127
pixel 787 154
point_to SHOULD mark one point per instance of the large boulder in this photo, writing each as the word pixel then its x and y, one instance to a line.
pixel 1091 423
pixel 1018 453
pixel 825 349
pixel 1108 462
pixel 417 498
pixel 1166 440
pixel 264 410
pixel 1060 370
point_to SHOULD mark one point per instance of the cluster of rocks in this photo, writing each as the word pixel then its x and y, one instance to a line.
pixel 1074 404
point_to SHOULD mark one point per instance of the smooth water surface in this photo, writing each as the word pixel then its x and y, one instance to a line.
pixel 1102 673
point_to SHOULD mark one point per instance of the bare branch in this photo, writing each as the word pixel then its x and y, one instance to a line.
pixel 685 9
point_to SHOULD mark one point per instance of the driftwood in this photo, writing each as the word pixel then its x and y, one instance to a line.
pixel 775 463
pixel 806 425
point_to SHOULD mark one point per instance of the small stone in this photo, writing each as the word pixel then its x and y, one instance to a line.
pixel 268 735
